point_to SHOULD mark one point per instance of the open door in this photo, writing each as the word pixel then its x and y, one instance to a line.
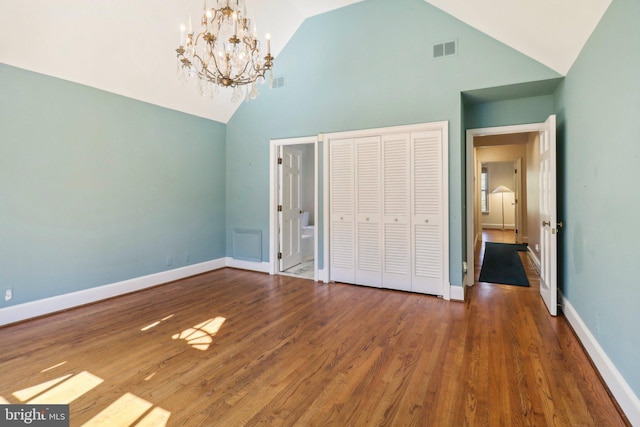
pixel 290 207
pixel 548 217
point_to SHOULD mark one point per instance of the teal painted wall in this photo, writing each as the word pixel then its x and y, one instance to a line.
pixel 97 188
pixel 362 66
pixel 599 111
pixel 520 111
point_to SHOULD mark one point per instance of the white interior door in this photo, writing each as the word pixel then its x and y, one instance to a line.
pixel 290 227
pixel 548 217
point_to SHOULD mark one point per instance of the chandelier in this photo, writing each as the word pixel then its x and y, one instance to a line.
pixel 224 52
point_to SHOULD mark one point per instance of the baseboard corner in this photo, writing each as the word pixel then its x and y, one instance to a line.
pixel 622 392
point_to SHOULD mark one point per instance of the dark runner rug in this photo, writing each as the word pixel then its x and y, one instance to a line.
pixel 502 264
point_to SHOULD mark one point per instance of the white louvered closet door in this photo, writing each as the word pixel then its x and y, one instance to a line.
pixel 396 192
pixel 342 205
pixel 367 219
pixel 427 208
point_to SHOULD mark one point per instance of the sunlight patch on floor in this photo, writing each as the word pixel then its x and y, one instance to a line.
pixel 201 336
pixel 128 410
pixel 54 366
pixel 154 324
pixel 123 412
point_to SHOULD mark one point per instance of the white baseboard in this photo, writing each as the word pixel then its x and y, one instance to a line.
pixel 17 313
pixel 41 307
pixel 457 293
pixel 262 267
pixel 323 276
pixel 499 226
pixel 534 259
pixel 627 399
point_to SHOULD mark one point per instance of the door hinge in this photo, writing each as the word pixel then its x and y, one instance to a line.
pixel 279 255
pixel 279 160
pixel 279 208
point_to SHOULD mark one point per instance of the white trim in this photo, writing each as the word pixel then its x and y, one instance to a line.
pixel 490 226
pixel 17 313
pixel 274 145
pixel 457 293
pixel 261 267
pixel 41 307
pixel 323 276
pixel 627 399
pixel 420 127
pixel 534 259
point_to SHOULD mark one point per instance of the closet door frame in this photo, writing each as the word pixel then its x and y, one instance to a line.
pixel 442 126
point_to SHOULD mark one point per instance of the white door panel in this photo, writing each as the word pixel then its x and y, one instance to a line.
pixel 548 217
pixel 291 208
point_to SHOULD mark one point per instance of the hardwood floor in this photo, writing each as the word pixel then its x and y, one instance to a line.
pixel 234 348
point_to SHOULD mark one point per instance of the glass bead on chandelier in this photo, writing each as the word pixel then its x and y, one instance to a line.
pixel 224 52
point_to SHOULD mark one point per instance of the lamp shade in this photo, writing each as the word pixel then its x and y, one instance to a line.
pixel 502 189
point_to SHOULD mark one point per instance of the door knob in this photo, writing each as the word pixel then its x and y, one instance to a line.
pixel 545 223
pixel 560 224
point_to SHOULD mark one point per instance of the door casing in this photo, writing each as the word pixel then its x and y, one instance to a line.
pixel 470 187
pixel 274 146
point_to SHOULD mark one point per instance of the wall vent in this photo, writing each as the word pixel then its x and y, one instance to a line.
pixel 445 49
pixel 277 82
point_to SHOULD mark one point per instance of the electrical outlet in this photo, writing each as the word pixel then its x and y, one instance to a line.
pixel 8 294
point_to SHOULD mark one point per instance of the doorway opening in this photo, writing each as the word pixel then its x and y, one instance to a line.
pixel 293 207
pixel 500 194
pixel 502 189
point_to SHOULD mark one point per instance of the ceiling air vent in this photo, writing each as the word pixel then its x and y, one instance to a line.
pixel 277 82
pixel 443 50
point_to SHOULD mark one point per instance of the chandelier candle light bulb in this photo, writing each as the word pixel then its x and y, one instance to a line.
pixel 224 52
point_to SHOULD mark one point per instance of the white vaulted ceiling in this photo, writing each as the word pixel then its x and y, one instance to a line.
pixel 127 46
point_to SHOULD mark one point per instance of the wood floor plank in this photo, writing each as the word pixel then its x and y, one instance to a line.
pixel 294 352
